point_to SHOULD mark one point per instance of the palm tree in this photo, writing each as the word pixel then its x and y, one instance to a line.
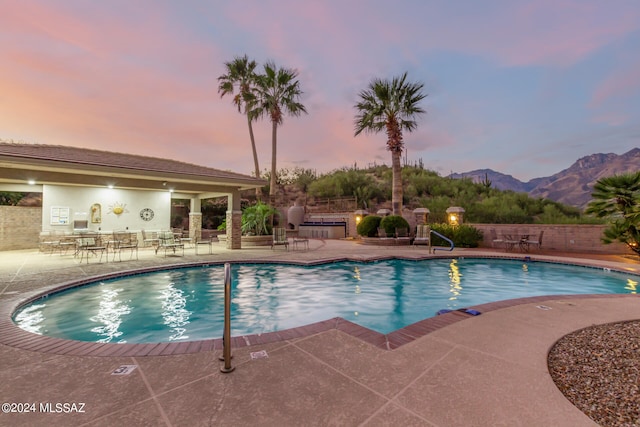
pixel 392 107
pixel 617 198
pixel 277 93
pixel 241 75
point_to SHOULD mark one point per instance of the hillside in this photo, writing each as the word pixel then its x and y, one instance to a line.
pixel 571 186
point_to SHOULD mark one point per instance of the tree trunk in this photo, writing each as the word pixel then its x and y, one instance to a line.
pixel 272 185
pixel 255 157
pixel 396 186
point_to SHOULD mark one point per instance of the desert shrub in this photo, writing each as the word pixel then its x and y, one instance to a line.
pixel 368 227
pixel 391 222
pixel 463 236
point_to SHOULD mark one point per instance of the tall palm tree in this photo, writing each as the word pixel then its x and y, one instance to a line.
pixel 277 93
pixel 392 107
pixel 617 198
pixel 241 76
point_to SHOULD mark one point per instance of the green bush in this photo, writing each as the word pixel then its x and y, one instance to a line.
pixel 391 222
pixel 463 236
pixel 255 220
pixel 368 227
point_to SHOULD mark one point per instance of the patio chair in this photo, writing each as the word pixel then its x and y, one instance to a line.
pixel 123 240
pixel 280 237
pixel 68 242
pixel 535 242
pixel 168 242
pixel 382 234
pixel 512 240
pixel 202 241
pixel 422 235
pixel 150 239
pixel 182 236
pixel 49 243
pixel 402 235
pixel 495 241
pixel 90 246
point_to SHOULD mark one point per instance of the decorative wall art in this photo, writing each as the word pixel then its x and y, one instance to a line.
pixel 96 213
pixel 118 208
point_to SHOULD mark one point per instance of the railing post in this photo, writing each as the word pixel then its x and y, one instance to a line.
pixel 226 337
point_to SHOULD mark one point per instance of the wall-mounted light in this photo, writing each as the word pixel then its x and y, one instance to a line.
pixel 31 182
pixel 110 186
pixel 360 213
pixel 456 215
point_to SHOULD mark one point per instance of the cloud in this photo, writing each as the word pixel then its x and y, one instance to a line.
pixel 621 83
pixel 141 77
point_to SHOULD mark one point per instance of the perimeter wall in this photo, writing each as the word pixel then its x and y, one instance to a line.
pixel 20 228
pixel 562 238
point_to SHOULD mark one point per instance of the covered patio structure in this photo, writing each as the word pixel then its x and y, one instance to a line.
pixel 103 190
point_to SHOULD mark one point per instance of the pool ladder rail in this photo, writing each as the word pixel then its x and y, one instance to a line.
pixel 438 248
pixel 226 337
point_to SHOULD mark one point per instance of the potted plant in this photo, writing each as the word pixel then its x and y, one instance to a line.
pixel 256 225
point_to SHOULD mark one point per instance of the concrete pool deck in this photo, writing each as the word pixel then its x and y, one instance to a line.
pixel 483 370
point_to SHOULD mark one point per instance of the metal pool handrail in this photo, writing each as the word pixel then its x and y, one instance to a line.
pixel 226 338
pixel 443 238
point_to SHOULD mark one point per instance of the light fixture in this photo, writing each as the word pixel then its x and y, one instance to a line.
pixel 110 186
pixel 359 214
pixel 456 214
pixel 31 182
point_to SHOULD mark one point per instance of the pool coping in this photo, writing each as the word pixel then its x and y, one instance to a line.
pixel 13 336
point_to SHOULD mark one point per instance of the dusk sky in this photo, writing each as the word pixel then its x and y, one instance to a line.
pixel 521 87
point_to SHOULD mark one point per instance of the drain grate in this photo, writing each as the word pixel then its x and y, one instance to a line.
pixel 262 354
pixel 124 370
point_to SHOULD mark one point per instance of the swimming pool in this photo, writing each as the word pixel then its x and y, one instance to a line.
pixel 187 304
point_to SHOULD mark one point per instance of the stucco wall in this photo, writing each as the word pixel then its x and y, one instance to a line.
pixel 80 200
pixel 19 227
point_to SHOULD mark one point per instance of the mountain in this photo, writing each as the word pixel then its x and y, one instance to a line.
pixel 498 180
pixel 572 186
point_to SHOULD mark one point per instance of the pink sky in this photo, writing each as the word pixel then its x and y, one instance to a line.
pixel 524 88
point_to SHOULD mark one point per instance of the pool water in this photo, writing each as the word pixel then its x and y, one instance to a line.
pixel 187 304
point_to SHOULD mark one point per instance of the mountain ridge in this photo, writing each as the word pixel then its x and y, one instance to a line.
pixel 571 186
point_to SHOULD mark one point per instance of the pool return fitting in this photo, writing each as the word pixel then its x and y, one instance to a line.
pixel 226 337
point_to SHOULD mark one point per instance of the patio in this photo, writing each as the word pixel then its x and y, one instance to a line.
pixel 484 370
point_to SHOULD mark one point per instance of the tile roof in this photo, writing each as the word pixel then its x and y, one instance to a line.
pixel 91 157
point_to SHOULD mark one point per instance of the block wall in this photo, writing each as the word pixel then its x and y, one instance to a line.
pixel 19 227
pixel 561 238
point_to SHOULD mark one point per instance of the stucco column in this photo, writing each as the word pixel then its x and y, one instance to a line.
pixel 195 225
pixel 234 221
pixel 195 219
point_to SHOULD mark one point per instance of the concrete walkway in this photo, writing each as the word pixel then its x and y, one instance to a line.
pixel 488 370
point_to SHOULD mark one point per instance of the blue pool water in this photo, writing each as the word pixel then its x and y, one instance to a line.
pixel 187 304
